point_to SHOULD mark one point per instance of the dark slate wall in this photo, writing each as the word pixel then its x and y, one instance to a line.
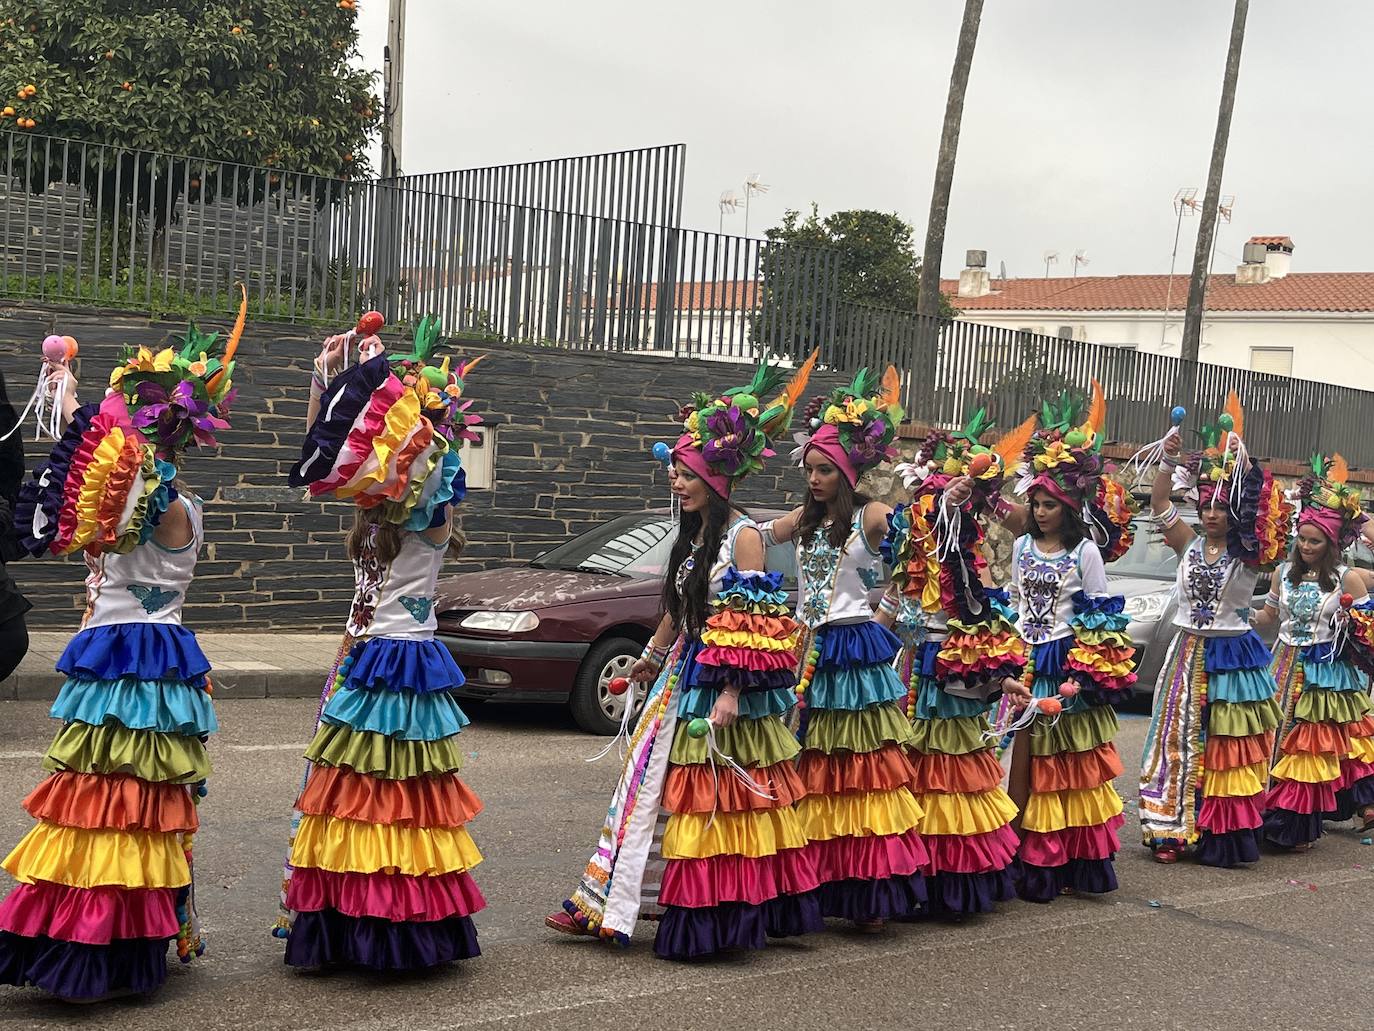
pixel 573 433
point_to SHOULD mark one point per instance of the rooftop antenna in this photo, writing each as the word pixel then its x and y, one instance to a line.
pixel 1002 266
pixel 1049 258
pixel 1080 260
pixel 1185 204
pixel 729 205
pixel 1223 215
pixel 752 185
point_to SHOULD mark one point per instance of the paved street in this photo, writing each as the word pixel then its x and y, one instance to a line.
pixel 1256 948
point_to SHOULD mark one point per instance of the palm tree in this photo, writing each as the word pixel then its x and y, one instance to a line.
pixel 928 299
pixel 1197 284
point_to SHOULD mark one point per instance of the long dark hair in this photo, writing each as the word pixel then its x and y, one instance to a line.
pixel 814 514
pixel 1325 568
pixel 388 542
pixel 1071 532
pixel 688 609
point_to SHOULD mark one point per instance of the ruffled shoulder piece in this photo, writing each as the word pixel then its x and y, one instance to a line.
pixel 1260 519
pixel 983 647
pixel 101 489
pixel 1109 514
pixel 1359 637
pixel 1102 659
pixel 750 638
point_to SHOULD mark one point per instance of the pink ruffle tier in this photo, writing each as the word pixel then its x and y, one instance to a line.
pixel 703 883
pixel 399 898
pixel 92 916
pixel 1055 848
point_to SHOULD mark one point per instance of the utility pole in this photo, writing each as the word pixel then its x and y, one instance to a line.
pixel 1206 230
pixel 393 78
pixel 387 274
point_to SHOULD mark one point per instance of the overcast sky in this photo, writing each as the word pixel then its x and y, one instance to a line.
pixel 1083 117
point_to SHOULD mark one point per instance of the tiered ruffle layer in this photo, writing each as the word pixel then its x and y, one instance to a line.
pixel 736 867
pixel 860 816
pixel 380 861
pixel 1324 769
pixel 967 818
pixel 105 873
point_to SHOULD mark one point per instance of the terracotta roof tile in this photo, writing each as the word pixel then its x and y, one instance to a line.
pixel 1298 291
pixel 1274 241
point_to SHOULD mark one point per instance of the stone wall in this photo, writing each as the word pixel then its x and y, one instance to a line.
pixel 572 435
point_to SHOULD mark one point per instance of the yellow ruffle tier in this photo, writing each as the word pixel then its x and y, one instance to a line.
pixel 859 814
pixel 348 846
pixel 1238 782
pixel 82 858
pixel 755 834
pixel 1078 807
pixel 965 814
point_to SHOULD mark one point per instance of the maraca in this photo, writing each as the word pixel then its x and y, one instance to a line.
pixel 699 727
pixel 1178 415
pixel 370 323
pixel 1049 706
pixel 1347 600
pixel 979 464
pixel 662 452
pixel 618 685
pixel 1068 689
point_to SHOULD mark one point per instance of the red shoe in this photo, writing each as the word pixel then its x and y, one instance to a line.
pixel 1166 854
pixel 564 924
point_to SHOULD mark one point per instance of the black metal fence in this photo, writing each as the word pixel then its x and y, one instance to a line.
pixel 91 224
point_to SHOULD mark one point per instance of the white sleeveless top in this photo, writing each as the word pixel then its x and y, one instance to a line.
pixel 1043 585
pixel 1309 613
pixel 146 585
pixel 835 581
pixel 725 557
pixel 397 600
pixel 1214 598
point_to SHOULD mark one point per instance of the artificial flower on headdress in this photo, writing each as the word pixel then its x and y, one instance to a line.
pixel 1224 473
pixel 389 434
pixel 727 436
pixel 1064 459
pixel 856 425
pixel 947 454
pixel 1327 501
pixel 180 396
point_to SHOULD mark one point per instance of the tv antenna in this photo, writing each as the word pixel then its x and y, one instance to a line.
pixel 753 185
pixel 729 205
pixel 1080 260
pixel 1049 258
pixel 1223 215
pixel 1186 205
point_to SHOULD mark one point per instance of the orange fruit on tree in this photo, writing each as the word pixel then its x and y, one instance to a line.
pixel 236 31
pixel 8 112
pixel 30 90
pixel 109 55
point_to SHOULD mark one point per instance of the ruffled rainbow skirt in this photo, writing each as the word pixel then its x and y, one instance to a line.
pixel 105 874
pixel 1324 766
pixel 966 821
pixel 379 867
pixel 860 815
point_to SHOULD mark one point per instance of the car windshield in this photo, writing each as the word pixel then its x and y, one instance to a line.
pixel 639 545
pixel 1148 556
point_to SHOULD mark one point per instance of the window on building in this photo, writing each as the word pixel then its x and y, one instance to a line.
pixel 479 458
pixel 1277 361
pixel 1065 332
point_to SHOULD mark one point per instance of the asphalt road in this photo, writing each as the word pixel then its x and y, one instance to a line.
pixel 1284 945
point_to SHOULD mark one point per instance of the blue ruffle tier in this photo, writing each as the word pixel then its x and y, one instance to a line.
pixel 145 651
pixel 384 663
pixel 1241 651
pixel 400 714
pixel 854 667
pixel 165 706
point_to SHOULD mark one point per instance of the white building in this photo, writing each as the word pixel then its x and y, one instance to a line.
pixel 1312 325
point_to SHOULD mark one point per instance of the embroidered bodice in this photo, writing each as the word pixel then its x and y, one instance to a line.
pixel 1308 613
pixel 1043 585
pixel 1214 597
pixel 835 581
pixel 396 600
pixel 147 584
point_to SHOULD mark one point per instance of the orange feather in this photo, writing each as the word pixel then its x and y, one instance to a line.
pixel 236 334
pixel 1339 471
pixel 1237 414
pixel 786 401
pixel 892 387
pixel 1012 444
pixel 1097 411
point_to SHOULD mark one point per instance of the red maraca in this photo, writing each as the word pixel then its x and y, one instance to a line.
pixel 1068 689
pixel 1049 706
pixel 979 464
pixel 370 323
pixel 1347 600
pixel 618 685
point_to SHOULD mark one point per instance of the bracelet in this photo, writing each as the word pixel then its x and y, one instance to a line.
pixel 888 605
pixel 654 655
pixel 1168 460
pixel 1168 517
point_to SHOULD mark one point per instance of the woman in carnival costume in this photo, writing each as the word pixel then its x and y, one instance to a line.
pixel 105 875
pixel 1324 764
pixel 859 815
pixel 378 874
pixel 728 867
pixel 965 654
pixel 1081 662
pixel 1211 734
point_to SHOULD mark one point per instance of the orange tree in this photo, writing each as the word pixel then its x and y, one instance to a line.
pixel 256 82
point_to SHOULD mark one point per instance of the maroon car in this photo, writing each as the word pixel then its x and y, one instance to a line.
pixel 559 628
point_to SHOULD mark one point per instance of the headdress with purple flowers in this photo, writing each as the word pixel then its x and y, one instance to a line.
pixel 856 425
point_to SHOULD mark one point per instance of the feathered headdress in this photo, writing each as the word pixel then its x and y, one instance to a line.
pixel 1327 501
pixel 856 425
pixel 389 432
pixel 109 478
pixel 1224 473
pixel 1064 459
pixel 727 436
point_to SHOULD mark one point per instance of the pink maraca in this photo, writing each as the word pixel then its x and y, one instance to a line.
pixel 54 349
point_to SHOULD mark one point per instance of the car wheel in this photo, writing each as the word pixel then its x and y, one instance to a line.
pixel 594 708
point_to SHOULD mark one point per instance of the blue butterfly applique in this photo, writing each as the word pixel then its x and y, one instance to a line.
pixel 417 607
pixel 152 598
pixel 870 577
pixel 1245 613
